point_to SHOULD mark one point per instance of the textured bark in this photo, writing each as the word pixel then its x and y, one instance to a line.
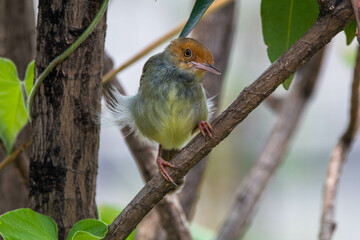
pixel 219 24
pixel 323 30
pixel 271 157
pixel 17 42
pixel 65 145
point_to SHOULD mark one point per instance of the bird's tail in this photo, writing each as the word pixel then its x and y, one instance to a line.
pixel 119 113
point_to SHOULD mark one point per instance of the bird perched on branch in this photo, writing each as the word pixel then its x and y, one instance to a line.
pixel 171 103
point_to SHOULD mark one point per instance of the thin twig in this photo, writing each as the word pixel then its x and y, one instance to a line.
pixel 110 75
pixel 13 156
pixel 338 158
pixel 323 30
pixel 271 157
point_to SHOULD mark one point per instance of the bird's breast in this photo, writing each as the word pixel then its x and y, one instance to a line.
pixel 170 116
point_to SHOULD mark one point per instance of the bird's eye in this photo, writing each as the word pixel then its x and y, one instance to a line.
pixel 187 53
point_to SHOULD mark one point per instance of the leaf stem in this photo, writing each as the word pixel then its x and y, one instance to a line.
pixel 64 55
pixel 14 154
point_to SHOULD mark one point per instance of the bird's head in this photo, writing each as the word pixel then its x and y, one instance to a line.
pixel 192 57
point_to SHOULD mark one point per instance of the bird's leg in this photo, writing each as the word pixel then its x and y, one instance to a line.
pixel 205 128
pixel 161 164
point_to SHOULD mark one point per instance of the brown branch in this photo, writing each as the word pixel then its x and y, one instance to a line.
pixel 271 157
pixel 338 158
pixel 14 155
pixel 323 30
pixel 169 211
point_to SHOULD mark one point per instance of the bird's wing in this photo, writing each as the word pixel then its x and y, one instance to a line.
pixel 146 66
pixel 149 66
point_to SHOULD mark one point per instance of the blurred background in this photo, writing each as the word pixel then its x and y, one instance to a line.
pixel 290 207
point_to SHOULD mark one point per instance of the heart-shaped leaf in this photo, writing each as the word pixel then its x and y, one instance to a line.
pixel 284 22
pixel 13 116
pixel 197 12
pixel 27 224
pixel 88 229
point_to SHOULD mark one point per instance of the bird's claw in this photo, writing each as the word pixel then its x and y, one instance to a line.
pixel 205 126
pixel 161 164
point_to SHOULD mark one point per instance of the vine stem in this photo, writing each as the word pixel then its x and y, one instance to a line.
pixel 9 159
pixel 64 55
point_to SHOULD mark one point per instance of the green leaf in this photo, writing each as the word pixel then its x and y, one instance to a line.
pixel 350 32
pixel 29 77
pixel 88 229
pixel 13 116
pixel 28 83
pixel 286 84
pixel 26 224
pixel 284 22
pixel 197 12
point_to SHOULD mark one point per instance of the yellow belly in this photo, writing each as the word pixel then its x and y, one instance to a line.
pixel 172 124
pixel 169 119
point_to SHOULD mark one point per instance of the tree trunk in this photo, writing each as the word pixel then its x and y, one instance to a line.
pixel 17 42
pixel 65 145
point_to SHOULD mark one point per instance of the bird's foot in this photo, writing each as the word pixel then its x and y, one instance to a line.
pixel 161 164
pixel 205 128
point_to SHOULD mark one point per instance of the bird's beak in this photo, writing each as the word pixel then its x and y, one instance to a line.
pixel 207 67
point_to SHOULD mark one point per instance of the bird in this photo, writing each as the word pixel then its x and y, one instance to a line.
pixel 171 103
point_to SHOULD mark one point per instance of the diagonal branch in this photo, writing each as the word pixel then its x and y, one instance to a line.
pixel 338 158
pixel 271 157
pixel 323 30
pixel 13 156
